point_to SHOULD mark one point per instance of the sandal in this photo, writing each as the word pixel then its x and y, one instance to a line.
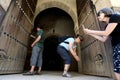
pixel 29 73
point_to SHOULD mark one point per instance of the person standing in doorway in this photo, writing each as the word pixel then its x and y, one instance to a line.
pixel 37 50
pixel 65 48
pixel 113 30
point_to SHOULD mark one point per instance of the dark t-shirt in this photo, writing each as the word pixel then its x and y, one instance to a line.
pixel 40 43
pixel 115 35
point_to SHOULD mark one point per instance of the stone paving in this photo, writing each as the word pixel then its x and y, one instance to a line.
pixel 51 75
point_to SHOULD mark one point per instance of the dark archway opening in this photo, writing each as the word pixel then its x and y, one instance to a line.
pixel 51 60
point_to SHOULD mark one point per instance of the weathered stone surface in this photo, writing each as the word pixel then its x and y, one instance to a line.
pixel 5 4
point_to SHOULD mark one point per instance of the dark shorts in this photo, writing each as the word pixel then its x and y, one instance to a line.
pixel 116 58
pixel 65 55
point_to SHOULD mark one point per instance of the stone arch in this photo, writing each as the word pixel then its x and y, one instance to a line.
pixel 51 4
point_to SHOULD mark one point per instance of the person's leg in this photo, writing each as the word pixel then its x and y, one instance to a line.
pixel 117 75
pixel 33 60
pixel 116 61
pixel 40 60
pixel 68 61
pixel 65 55
pixel 66 68
pixel 32 69
pixel 39 69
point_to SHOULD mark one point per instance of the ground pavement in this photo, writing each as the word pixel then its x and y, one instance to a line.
pixel 52 75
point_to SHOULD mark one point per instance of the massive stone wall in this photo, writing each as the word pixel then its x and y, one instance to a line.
pixel 68 6
pixel 101 4
pixel 115 4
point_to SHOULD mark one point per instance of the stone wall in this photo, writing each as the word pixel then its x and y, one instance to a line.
pixel 68 6
pixel 5 4
pixel 101 4
pixel 114 4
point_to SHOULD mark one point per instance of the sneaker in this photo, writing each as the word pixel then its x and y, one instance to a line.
pixel 67 75
pixel 29 73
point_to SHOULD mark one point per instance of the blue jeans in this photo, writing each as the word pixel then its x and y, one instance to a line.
pixel 36 58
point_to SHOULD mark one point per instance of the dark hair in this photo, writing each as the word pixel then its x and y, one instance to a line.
pixel 80 37
pixel 40 26
pixel 107 11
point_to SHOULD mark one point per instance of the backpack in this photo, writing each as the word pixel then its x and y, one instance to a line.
pixel 63 38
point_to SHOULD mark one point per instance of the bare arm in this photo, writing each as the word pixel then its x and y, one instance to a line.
pixel 73 52
pixel 32 36
pixel 36 40
pixel 100 38
pixel 106 32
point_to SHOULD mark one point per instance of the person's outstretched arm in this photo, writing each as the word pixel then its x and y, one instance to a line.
pixel 100 38
pixel 110 27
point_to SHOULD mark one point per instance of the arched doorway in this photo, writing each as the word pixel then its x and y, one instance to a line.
pixel 56 23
